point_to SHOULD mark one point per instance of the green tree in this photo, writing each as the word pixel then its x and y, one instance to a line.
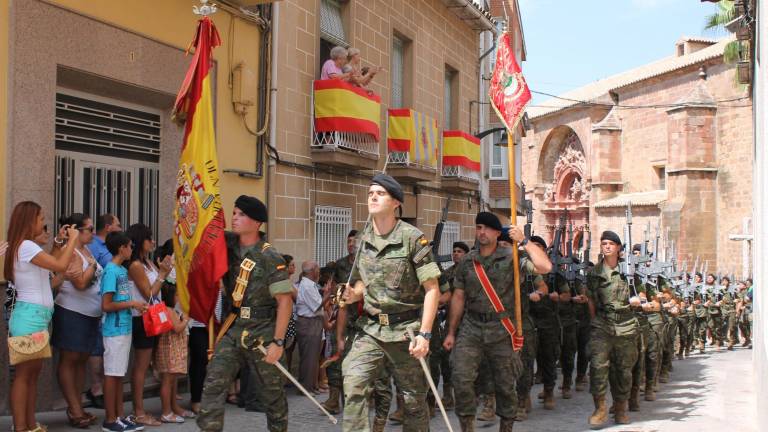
pixel 726 12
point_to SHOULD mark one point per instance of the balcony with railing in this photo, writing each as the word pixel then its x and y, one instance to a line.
pixel 345 127
pixel 461 161
pixel 413 145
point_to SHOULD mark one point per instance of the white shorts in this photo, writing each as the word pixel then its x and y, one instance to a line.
pixel 117 351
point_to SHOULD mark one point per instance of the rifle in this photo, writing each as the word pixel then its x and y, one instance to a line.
pixel 437 238
pixel 554 255
pixel 630 263
pixel 528 232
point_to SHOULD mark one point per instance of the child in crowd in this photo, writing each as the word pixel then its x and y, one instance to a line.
pixel 116 302
pixel 171 358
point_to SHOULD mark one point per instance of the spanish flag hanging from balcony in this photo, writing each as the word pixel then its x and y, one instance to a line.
pixel 415 133
pixel 342 107
pixel 461 149
pixel 198 242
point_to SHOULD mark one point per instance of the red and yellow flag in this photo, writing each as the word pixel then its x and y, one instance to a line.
pixel 413 132
pixel 198 242
pixel 342 107
pixel 461 149
pixel 509 93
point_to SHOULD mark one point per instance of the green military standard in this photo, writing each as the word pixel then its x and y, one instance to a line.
pixel 262 317
pixel 483 335
pixel 395 261
pixel 614 335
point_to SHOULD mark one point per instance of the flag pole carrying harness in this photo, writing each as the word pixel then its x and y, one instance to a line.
pixel 498 306
pixel 246 267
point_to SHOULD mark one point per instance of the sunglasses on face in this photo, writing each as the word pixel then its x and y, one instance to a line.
pixel 87 229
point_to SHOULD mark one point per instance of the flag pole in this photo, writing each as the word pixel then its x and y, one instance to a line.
pixel 513 222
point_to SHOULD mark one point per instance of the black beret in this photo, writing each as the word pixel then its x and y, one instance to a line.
pixel 637 247
pixel 352 233
pixel 612 236
pixel 390 185
pixel 540 241
pixel 488 219
pixel 252 207
pixel 461 245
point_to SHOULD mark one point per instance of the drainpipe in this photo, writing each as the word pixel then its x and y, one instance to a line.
pixel 272 97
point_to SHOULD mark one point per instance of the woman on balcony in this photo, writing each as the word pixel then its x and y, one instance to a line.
pixel 359 76
pixel 332 68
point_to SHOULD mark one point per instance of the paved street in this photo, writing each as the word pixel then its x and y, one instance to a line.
pixel 710 392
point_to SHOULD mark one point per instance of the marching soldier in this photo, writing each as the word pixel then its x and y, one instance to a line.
pixel 545 315
pixel 728 307
pixel 484 279
pixel 581 309
pixel 714 314
pixel 439 358
pixel 684 319
pixel 614 332
pixel 700 313
pixel 395 262
pixel 569 344
pixel 669 311
pixel 744 312
pixel 257 284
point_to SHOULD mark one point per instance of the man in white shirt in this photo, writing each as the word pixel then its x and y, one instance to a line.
pixel 309 324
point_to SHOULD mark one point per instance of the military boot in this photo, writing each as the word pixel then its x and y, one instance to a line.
pixel 378 424
pixel 581 383
pixel 730 346
pixel 701 347
pixel 488 412
pixel 600 415
pixel 549 398
pixel 634 402
pixel 521 414
pixel 650 394
pixel 431 405
pixel 467 423
pixel 687 352
pixel 506 424
pixel 449 402
pixel 621 416
pixel 528 404
pixel 397 416
pixel 747 342
pixel 567 388
pixel 332 404
pixel 664 376
pixel 541 395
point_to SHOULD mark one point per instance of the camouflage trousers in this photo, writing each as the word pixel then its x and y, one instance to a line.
pixel 649 347
pixel 668 345
pixel 568 348
pixel 227 361
pixel 732 327
pixel 745 325
pixel 490 342
pixel 715 326
pixel 439 358
pixel 611 362
pixel 528 357
pixel 365 364
pixel 684 335
pixel 700 330
pixel 547 354
pixel 582 340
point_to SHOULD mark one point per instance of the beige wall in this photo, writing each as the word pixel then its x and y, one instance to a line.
pixel 438 38
pixel 644 144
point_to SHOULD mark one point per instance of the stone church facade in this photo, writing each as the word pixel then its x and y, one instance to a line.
pixel 672 137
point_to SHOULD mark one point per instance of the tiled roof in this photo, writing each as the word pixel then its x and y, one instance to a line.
pixel 595 91
pixel 638 199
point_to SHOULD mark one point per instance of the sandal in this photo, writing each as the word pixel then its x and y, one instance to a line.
pixel 187 414
pixel 92 419
pixel 171 418
pixel 82 422
pixel 146 420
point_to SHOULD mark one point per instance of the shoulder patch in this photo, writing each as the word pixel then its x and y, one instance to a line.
pixel 266 246
pixel 281 267
pixel 421 254
pixel 422 241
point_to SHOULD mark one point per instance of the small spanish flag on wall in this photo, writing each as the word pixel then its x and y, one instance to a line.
pixel 415 133
pixel 342 107
pixel 461 149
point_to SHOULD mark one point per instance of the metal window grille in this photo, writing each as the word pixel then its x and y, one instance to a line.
pixel 498 165
pixel 332 224
pixel 106 159
pixel 451 234
pixel 331 23
pixel 398 57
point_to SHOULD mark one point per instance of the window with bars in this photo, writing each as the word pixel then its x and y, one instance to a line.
pixel 448 98
pixel 332 23
pixel 107 158
pixel 398 60
pixel 451 234
pixel 332 224
pixel 498 159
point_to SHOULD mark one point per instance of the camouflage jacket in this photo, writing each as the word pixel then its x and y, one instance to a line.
pixel 609 291
pixel 393 268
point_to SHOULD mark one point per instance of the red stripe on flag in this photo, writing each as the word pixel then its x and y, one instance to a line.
pixel 399 112
pixel 398 145
pixel 208 266
pixel 461 161
pixel 461 134
pixel 346 124
pixel 341 84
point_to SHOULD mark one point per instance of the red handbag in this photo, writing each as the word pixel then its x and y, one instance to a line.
pixel 157 319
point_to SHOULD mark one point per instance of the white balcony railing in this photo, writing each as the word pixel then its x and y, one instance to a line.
pixel 403 159
pixel 360 143
pixel 461 173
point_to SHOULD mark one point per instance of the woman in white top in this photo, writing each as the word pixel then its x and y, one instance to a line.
pixel 146 281
pixel 76 317
pixel 28 267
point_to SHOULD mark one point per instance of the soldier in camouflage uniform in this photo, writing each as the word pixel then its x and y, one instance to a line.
pixel 700 313
pixel 545 316
pixel 439 358
pixel 395 262
pixel 483 336
pixel 728 307
pixel 569 342
pixel 613 343
pixel 744 312
pixel 581 309
pixel 669 311
pixel 684 318
pixel 714 314
pixel 262 317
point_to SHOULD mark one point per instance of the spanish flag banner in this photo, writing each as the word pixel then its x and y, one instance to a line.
pixel 461 149
pixel 199 249
pixel 415 133
pixel 342 107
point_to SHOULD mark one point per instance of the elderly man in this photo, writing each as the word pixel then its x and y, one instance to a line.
pixel 332 68
pixel 309 324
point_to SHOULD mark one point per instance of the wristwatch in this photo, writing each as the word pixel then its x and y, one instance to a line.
pixel 524 242
pixel 426 335
pixel 279 342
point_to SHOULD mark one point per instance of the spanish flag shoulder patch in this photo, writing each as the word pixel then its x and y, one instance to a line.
pixel 281 267
pixel 422 241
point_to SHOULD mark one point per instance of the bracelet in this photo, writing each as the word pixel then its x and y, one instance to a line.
pixel 57 241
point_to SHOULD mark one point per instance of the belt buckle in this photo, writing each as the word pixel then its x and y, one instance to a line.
pixel 245 313
pixel 384 319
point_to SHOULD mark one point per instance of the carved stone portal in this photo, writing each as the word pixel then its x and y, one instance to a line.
pixel 568 184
